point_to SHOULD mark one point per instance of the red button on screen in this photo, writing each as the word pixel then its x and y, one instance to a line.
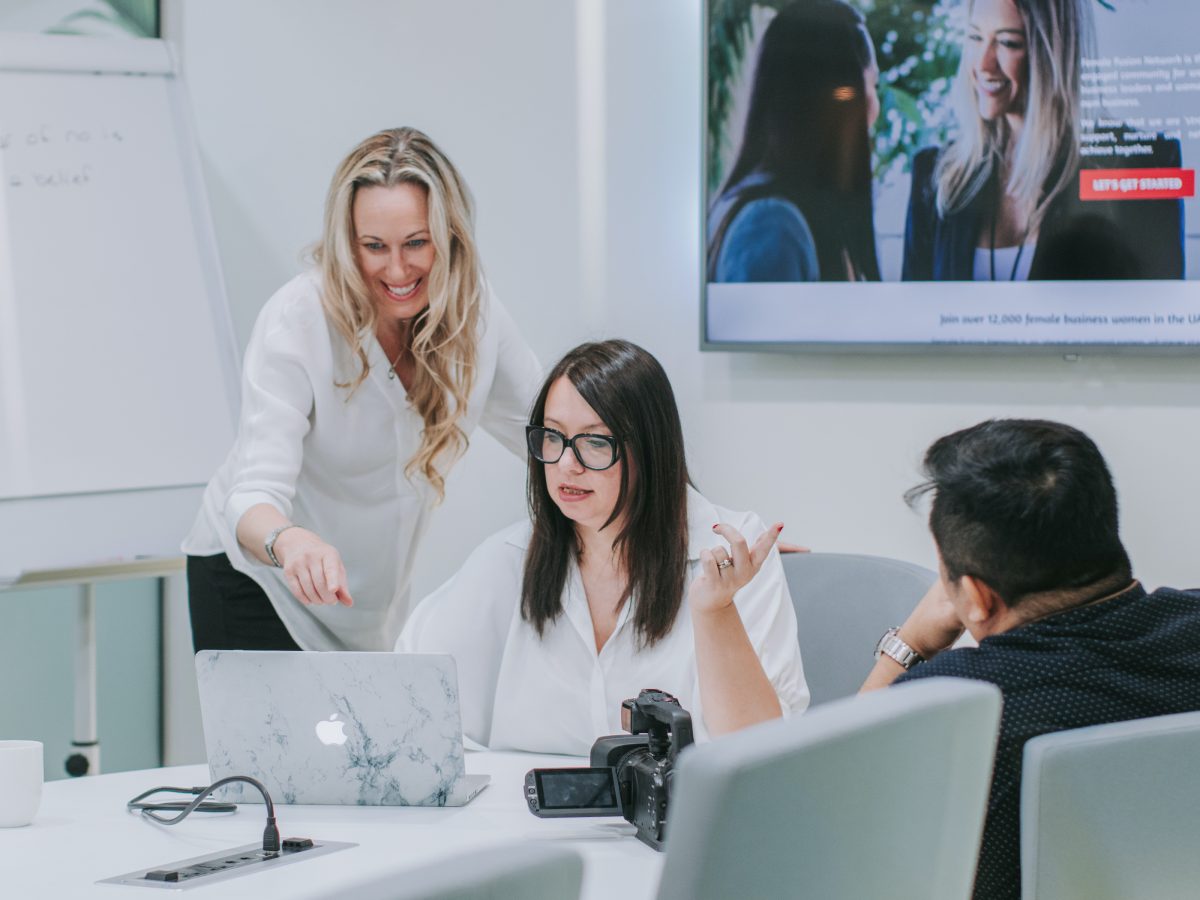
pixel 1136 184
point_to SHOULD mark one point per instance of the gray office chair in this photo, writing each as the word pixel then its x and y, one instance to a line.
pixel 844 602
pixel 1113 811
pixel 881 795
pixel 526 872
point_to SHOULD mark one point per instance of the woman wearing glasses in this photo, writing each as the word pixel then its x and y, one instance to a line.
pixel 624 578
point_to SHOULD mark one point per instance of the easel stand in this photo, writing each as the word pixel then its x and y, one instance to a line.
pixel 86 743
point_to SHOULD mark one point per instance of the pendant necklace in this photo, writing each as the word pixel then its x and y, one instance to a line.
pixel 1012 275
pixel 391 373
pixel 405 340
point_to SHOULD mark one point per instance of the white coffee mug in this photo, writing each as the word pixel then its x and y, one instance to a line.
pixel 20 782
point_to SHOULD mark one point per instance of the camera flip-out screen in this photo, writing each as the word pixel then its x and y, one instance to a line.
pixel 577 789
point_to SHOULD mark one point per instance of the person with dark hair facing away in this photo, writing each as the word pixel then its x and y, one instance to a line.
pixel 797 203
pixel 1024 515
pixel 624 577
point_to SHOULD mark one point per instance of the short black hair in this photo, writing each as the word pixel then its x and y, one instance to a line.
pixel 1026 506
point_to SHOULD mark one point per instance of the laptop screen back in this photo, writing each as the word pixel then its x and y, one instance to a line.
pixel 367 729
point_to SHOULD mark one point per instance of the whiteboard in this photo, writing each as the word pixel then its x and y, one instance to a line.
pixel 118 364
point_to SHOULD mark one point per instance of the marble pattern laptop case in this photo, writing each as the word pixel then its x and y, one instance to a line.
pixel 364 729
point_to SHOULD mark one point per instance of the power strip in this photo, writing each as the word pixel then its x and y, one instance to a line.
pixel 203 870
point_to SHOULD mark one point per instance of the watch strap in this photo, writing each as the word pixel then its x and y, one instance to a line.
pixel 896 648
pixel 269 544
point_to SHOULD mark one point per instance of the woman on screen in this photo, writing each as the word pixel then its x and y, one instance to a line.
pixel 1000 202
pixel 797 203
pixel 362 380
pixel 624 578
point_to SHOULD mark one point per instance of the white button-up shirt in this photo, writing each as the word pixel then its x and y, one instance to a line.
pixel 556 693
pixel 334 461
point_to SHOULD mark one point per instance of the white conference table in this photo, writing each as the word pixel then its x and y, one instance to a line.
pixel 83 834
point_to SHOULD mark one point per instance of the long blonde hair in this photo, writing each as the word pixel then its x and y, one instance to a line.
pixel 1057 34
pixel 444 335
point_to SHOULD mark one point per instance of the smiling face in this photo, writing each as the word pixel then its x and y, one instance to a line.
pixel 585 496
pixel 996 55
pixel 393 249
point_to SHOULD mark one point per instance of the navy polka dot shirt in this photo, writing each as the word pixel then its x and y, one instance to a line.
pixel 1132 656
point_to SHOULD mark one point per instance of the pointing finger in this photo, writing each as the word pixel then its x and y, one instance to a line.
pixel 343 591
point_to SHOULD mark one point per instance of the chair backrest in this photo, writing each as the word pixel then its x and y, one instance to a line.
pixel 844 602
pixel 1113 811
pixel 881 795
pixel 526 872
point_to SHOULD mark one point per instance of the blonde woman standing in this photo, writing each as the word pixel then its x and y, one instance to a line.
pixel 362 381
pixel 1001 201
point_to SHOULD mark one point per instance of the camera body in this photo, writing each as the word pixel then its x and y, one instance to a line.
pixel 639 766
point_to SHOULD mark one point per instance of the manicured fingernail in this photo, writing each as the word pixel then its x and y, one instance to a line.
pixel 779 528
pixel 714 527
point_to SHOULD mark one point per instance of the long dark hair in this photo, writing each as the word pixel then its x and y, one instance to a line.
pixel 631 393
pixel 807 131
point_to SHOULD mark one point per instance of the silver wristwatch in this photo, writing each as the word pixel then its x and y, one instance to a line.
pixel 269 544
pixel 894 647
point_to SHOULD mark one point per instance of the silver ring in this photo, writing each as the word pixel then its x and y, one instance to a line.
pixel 725 563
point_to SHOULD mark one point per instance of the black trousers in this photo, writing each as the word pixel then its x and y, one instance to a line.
pixel 229 610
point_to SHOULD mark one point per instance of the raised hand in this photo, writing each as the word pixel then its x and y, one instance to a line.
pixel 723 574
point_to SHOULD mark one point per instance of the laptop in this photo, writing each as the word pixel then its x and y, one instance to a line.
pixel 348 729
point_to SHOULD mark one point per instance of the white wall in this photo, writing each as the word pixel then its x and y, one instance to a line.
pixel 598 236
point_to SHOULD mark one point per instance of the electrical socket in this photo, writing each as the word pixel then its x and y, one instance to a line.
pixel 225 865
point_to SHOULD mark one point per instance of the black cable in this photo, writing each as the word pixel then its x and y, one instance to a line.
pixel 154 810
pixel 207 806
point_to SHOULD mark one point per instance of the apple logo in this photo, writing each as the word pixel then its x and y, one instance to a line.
pixel 329 731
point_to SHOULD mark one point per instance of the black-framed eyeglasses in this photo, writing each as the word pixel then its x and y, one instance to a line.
pixel 594 451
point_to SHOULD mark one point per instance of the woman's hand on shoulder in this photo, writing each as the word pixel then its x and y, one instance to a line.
pixel 312 568
pixel 716 584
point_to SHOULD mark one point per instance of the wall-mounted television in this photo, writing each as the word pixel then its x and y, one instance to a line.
pixel 904 174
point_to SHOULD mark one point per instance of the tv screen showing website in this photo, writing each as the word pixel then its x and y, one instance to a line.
pixel 918 172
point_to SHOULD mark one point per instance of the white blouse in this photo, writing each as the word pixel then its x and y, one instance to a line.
pixel 334 462
pixel 556 694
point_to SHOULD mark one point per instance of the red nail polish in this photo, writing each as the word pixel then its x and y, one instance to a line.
pixel 714 528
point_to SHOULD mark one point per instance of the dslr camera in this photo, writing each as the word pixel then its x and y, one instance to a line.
pixel 630 774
